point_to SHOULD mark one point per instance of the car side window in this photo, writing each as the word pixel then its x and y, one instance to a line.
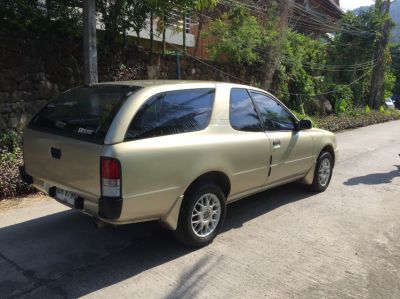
pixel 172 112
pixel 242 114
pixel 274 116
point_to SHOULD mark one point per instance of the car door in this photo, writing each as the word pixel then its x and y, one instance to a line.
pixel 291 149
pixel 250 146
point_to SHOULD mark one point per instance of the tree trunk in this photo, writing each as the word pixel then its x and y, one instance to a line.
pixel 164 40
pixel 151 32
pixel 378 73
pixel 49 9
pixel 274 55
pixel 138 38
pixel 184 34
pixel 199 29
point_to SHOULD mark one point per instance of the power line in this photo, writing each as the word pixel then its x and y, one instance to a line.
pixel 311 66
pixel 277 91
pixel 320 19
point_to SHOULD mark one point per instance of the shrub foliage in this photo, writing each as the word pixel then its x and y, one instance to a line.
pixel 10 159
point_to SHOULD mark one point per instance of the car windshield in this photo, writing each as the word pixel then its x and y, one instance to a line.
pixel 83 112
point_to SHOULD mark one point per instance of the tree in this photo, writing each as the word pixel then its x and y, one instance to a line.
pixel 300 70
pixel 165 18
pixel 238 36
pixel 273 53
pixel 137 12
pixel 356 35
pixel 382 8
pixel 201 6
pixel 62 17
pixel 395 67
pixel 112 17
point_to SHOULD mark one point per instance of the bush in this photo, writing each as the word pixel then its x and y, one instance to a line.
pixel 10 159
pixel 336 123
pixel 343 98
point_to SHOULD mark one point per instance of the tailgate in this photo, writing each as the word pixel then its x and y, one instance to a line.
pixel 60 161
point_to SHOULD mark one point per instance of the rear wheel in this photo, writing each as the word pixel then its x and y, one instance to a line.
pixel 323 172
pixel 202 215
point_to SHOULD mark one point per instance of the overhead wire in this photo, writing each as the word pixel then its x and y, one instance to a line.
pixel 271 90
pixel 320 19
pixel 357 67
pixel 313 66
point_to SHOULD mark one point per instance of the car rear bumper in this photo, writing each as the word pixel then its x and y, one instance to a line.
pixel 105 208
pixel 110 208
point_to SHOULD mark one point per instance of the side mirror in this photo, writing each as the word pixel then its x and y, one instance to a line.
pixel 304 124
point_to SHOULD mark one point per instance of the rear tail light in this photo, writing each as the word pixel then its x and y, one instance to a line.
pixel 110 177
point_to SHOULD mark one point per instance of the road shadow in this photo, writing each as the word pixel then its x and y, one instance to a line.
pixel 374 178
pixel 64 253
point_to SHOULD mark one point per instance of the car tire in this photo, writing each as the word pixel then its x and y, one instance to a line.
pixel 323 172
pixel 201 216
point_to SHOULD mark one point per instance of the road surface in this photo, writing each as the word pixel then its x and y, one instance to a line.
pixel 283 243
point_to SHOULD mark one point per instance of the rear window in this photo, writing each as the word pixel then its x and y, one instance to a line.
pixel 83 113
pixel 172 112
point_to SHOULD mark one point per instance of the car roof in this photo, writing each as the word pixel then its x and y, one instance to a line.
pixel 176 83
pixel 148 83
pixel 153 83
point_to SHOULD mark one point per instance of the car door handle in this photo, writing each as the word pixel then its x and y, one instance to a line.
pixel 276 144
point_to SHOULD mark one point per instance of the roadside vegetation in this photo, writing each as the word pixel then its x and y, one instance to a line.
pixel 327 79
pixel 10 160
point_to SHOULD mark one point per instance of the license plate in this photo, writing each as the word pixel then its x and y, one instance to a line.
pixel 66 196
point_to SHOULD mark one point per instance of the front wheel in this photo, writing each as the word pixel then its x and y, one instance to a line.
pixel 202 215
pixel 323 172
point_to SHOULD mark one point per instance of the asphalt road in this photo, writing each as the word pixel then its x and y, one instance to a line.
pixel 286 242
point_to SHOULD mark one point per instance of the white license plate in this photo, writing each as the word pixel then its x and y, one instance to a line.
pixel 66 196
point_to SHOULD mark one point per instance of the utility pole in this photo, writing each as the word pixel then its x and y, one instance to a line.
pixel 89 42
pixel 378 72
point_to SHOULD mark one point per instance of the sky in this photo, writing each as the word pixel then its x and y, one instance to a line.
pixel 351 4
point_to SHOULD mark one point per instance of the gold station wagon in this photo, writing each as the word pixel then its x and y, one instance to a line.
pixel 172 151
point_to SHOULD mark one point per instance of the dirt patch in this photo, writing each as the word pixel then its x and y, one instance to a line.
pixel 18 202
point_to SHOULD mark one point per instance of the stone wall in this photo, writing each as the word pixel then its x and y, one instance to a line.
pixel 34 69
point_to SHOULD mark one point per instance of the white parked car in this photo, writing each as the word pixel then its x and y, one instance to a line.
pixel 389 103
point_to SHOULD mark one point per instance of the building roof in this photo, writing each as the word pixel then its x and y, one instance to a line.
pixel 336 5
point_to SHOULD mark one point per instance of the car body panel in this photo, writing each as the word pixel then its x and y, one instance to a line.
pixel 180 159
pixel 292 155
pixel 157 171
pixel 77 170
